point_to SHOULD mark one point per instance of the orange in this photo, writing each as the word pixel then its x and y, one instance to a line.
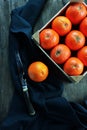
pixel 82 55
pixel 37 71
pixel 62 25
pixel 83 26
pixel 73 66
pixel 48 38
pixel 76 12
pixel 75 40
pixel 60 53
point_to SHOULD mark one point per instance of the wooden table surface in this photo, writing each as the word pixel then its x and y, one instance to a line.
pixel 72 92
pixel 6 86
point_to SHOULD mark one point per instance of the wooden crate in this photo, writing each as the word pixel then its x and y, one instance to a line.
pixel 35 37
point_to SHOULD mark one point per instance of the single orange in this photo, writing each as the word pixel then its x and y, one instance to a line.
pixel 60 53
pixel 75 40
pixel 62 25
pixel 76 12
pixel 82 55
pixel 38 71
pixel 83 26
pixel 48 38
pixel 73 66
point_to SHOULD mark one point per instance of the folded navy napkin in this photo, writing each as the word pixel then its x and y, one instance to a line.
pixel 52 111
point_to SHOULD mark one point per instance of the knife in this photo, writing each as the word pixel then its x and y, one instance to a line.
pixel 23 82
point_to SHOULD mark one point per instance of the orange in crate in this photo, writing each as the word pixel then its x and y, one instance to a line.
pixel 76 12
pixel 62 25
pixel 48 38
pixel 73 66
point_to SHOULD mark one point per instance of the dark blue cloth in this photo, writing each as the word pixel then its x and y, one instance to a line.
pixel 53 112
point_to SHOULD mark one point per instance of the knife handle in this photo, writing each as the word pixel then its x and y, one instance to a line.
pixel 30 107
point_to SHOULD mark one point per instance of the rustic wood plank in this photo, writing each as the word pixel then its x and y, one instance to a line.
pixel 6 86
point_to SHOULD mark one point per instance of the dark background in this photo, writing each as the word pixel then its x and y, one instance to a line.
pixel 72 92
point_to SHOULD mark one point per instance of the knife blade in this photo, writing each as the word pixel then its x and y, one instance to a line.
pixel 30 108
